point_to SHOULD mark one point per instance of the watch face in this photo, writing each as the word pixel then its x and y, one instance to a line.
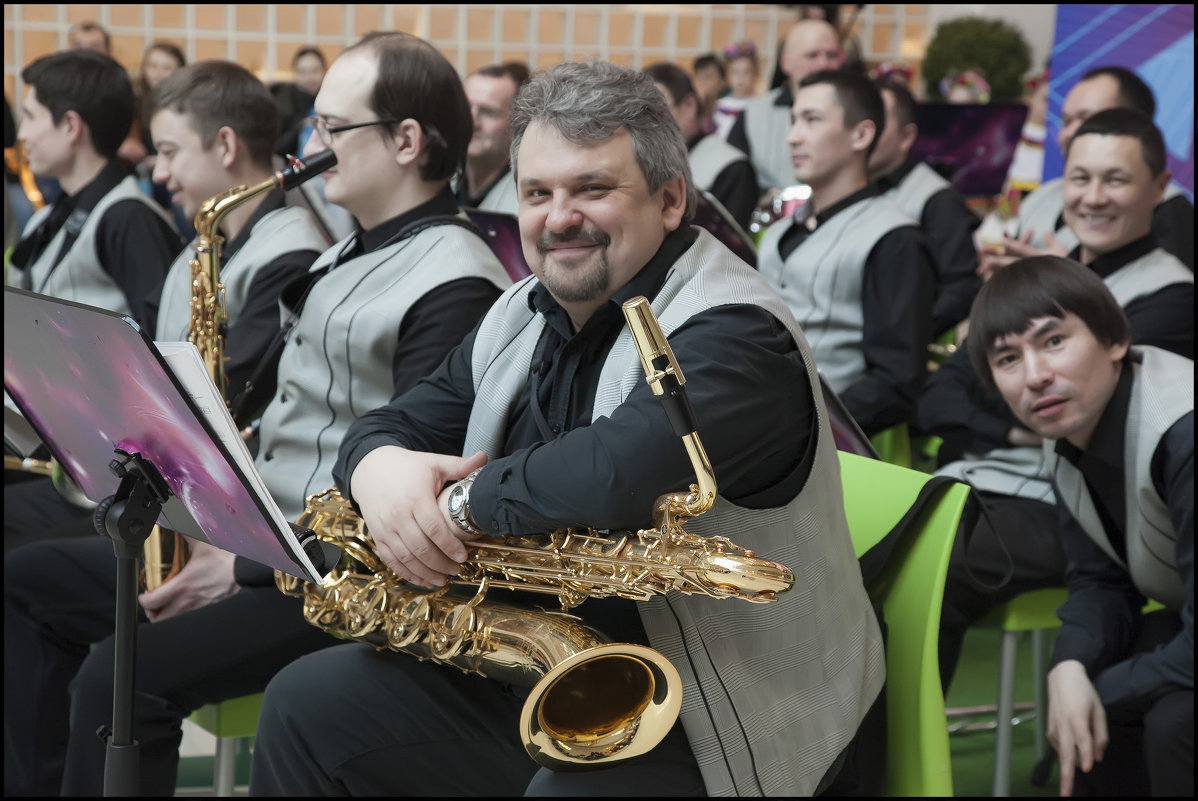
pixel 456 495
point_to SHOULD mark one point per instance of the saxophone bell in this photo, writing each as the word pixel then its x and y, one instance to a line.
pixel 613 701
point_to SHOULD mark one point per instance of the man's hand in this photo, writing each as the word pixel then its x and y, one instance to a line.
pixel 402 497
pixel 1076 721
pixel 206 578
pixel 993 258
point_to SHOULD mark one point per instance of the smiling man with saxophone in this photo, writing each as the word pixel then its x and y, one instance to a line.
pixel 382 309
pixel 540 420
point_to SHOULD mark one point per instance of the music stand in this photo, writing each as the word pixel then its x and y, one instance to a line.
pixel 105 401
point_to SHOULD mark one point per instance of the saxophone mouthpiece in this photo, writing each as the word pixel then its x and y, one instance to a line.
pixel 301 170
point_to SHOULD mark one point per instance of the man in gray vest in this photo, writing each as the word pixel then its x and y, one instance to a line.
pixel 1115 171
pixel 1118 426
pixel 854 269
pixel 542 419
pixel 487 181
pixel 211 134
pixel 102 242
pixel 716 166
pixel 387 304
pixel 926 197
pixel 1043 228
pixel 810 46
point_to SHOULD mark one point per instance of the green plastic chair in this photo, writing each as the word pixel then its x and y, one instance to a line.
pixel 228 721
pixel 911 588
pixel 894 445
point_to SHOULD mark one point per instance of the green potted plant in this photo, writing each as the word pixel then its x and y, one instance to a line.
pixel 992 48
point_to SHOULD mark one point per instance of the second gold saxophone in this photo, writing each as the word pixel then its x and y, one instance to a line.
pixel 592 702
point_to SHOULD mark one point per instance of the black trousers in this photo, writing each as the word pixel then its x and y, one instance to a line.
pixel 34 510
pixel 1029 531
pixel 58 602
pixel 351 720
pixel 1151 749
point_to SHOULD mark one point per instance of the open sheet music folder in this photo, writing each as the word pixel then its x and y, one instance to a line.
pixel 90 381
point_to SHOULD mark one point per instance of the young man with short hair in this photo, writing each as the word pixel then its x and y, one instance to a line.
pixel 1114 176
pixel 384 307
pixel 487 181
pixel 1118 425
pixel 717 167
pixel 854 269
pixel 1043 228
pixel 102 242
pixel 211 135
pixel 926 197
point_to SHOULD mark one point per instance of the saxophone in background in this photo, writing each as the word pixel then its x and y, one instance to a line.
pixel 165 552
pixel 592 702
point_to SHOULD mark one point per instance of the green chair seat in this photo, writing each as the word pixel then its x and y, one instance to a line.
pixel 228 721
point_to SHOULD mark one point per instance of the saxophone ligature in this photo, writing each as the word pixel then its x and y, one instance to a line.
pixel 165 552
pixel 592 702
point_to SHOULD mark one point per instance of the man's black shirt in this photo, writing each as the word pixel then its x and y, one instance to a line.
pixel 948 225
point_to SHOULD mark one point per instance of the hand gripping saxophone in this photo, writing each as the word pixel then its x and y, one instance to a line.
pixel 592 702
pixel 165 552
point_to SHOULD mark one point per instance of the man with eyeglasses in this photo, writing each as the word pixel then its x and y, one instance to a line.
pixel 388 303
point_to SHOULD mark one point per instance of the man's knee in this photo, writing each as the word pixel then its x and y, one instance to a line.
pixel 1169 743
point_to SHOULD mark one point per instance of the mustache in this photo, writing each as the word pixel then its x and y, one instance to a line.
pixel 573 235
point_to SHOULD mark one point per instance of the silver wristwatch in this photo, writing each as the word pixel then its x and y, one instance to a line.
pixel 458 502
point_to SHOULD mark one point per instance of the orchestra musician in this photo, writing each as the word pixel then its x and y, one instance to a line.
pixel 541 419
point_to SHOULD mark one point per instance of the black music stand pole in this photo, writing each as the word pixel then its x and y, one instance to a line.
pixel 127 518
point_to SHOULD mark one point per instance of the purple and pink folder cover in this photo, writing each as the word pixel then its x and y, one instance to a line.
pixel 90 381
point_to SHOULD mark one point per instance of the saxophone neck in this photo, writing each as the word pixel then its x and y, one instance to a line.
pixel 216 207
pixel 667 382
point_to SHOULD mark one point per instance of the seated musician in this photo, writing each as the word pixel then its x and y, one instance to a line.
pixel 214 123
pixel 541 419
pixel 102 242
pixel 1043 229
pixel 1117 421
pixel 486 183
pixel 855 270
pixel 929 199
pixel 716 166
pixel 393 297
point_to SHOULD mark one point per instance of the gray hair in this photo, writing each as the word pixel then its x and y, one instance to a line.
pixel 590 101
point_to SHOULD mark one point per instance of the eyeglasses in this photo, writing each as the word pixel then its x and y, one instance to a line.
pixel 325 133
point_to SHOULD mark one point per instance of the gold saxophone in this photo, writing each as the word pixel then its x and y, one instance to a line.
pixel 592 702
pixel 165 552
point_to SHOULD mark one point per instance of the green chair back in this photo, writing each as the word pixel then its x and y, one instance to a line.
pixel 911 588
pixel 894 445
